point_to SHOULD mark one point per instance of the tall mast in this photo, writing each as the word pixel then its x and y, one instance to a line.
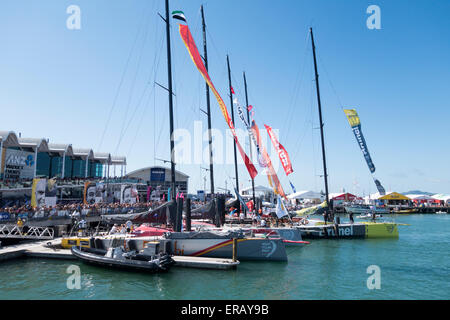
pixel 325 175
pixel 232 118
pixel 250 140
pixel 169 75
pixel 208 105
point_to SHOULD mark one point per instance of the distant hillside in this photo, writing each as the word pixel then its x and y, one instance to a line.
pixel 419 192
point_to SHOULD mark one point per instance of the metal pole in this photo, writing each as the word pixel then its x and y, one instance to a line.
pixel 169 76
pixel 63 165
pixel 50 167
pixel 1 158
pixel 35 162
pixel 232 118
pixel 250 141
pixel 86 168
pixel 325 175
pixel 234 249
pixel 208 105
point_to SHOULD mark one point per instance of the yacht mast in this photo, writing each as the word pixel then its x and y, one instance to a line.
pixel 325 175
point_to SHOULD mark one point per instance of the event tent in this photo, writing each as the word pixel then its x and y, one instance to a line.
pixel 442 197
pixel 305 195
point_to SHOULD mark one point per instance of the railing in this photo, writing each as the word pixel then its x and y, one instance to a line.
pixel 16 232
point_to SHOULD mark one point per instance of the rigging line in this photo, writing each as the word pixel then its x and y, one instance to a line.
pixel 154 126
pixel 123 130
pixel 179 70
pixel 155 69
pixel 296 92
pixel 163 119
pixel 140 121
pixel 312 129
pixel 135 109
pixel 308 119
pixel 329 80
pixel 121 80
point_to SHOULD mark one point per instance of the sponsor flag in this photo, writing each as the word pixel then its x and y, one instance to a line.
pixel 311 210
pixel 292 186
pixel 271 174
pixel 282 153
pixel 134 194
pixel 257 137
pixel 149 192
pixel 249 108
pixel 281 209
pixel 243 204
pixel 196 58
pixel 50 193
pixel 355 123
pixel 232 90
pixel 38 193
pixel 179 15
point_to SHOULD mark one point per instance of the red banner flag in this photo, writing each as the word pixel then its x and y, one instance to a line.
pixel 282 153
pixel 196 58
pixel 232 90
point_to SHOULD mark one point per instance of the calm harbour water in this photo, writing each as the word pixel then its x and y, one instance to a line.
pixel 416 266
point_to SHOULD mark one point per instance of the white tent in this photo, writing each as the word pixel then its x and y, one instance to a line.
pixel 419 197
pixel 305 195
pixel 442 197
pixel 258 189
pixel 370 199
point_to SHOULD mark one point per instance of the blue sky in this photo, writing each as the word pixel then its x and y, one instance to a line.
pixel 61 84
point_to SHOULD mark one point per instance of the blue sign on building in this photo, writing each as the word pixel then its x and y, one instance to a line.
pixel 158 174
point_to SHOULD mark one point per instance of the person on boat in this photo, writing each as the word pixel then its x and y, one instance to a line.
pixel 129 224
pixel 374 216
pixel 263 222
pixel 351 218
pixel 241 217
pixel 113 229
pixel 325 217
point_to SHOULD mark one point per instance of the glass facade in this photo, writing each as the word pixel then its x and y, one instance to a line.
pixel 95 170
pixel 51 165
pixel 78 168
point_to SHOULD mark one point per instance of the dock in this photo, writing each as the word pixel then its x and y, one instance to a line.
pixel 52 250
pixel 205 263
pixel 39 249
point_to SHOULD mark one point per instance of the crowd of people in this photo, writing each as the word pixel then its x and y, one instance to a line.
pixel 27 183
pixel 75 210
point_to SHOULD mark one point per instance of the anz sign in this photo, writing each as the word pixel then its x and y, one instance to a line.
pixel 19 164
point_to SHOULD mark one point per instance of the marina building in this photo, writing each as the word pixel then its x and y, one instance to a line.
pixel 158 177
pixel 27 158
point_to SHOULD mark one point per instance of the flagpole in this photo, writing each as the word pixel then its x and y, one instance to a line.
pixel 250 141
pixel 169 76
pixel 325 175
pixel 232 118
pixel 208 105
